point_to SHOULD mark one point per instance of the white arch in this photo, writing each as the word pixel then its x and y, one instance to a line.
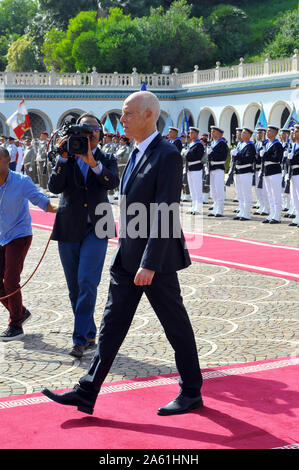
pixel 249 115
pixel 203 119
pixel 181 117
pixel 44 117
pixel 276 112
pixel 225 120
pixel 66 113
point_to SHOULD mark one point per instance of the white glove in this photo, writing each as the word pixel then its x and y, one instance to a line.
pixel 262 152
pixel 210 150
pixel 290 155
pixel 234 152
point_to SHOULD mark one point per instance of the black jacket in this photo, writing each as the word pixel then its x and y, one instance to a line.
pixel 272 159
pixel 244 159
pixel 294 161
pixel 194 156
pixel 156 179
pixel 218 156
pixel 79 199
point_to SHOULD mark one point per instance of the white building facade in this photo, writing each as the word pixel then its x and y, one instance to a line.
pixel 229 97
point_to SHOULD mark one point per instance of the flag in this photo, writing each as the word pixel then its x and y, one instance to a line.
pixel 108 125
pixel 167 125
pixel 185 124
pixel 292 119
pixel 262 121
pixel 119 128
pixel 143 86
pixel 19 121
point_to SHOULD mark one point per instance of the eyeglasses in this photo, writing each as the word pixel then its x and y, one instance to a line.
pixel 96 128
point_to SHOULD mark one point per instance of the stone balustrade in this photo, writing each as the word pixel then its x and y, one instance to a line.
pixel 95 80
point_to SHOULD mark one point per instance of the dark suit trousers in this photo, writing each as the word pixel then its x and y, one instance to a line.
pixel 123 299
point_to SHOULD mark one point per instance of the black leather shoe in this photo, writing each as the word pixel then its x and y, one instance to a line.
pixel 72 398
pixel 266 221
pixel 274 221
pixel 181 404
pixel 27 317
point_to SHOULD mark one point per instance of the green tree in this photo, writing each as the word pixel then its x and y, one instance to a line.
pixel 229 28
pixel 15 15
pixel 4 45
pixel 176 39
pixel 121 43
pixel 62 12
pixel 286 39
pixel 22 55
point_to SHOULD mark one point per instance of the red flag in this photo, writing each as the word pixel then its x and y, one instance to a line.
pixel 20 121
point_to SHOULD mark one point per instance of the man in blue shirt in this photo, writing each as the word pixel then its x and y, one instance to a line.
pixel 16 190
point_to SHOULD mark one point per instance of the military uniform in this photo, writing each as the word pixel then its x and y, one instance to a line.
pixel 29 162
pixel 261 193
pixel 243 158
pixel 194 156
pixel 293 174
pixel 217 155
pixel 271 162
pixel 41 157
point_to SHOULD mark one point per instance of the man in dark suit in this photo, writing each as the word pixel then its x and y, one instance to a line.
pixel 145 264
pixel 83 181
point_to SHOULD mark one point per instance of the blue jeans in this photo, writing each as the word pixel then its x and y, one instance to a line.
pixel 82 264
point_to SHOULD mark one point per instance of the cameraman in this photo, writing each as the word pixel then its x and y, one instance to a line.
pixel 83 181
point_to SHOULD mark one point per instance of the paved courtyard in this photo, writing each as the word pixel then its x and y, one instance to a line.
pixel 238 316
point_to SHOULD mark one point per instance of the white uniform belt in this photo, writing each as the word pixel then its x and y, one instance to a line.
pixel 194 163
pixel 218 163
pixel 271 163
pixel 239 167
pixel 258 167
pixel 294 167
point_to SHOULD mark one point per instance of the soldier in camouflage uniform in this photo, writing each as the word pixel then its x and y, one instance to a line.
pixel 29 161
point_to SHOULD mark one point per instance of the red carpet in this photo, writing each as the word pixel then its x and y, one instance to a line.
pixel 249 406
pixel 248 255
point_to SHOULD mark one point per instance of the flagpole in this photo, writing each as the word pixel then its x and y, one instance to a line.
pixel 30 122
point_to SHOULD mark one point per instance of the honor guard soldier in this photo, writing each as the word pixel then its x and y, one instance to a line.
pixel 194 157
pixel 243 162
pixel 29 160
pixel 271 156
pixel 291 212
pixel 174 138
pixel 233 152
pixel 205 187
pixel 287 146
pixel 261 193
pixel 293 175
pixel 185 196
pixel 217 155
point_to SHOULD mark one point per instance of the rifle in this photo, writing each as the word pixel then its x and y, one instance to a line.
pixel 254 170
pixel 230 178
pixel 208 167
pixel 262 170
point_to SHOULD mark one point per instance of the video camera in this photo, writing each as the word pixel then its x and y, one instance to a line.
pixel 77 142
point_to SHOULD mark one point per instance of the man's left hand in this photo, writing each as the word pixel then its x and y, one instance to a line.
pixel 144 277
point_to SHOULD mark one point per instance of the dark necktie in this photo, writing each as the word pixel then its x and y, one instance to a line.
pixel 130 167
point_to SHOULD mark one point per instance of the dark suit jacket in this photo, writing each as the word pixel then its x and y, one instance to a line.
pixel 156 179
pixel 79 199
pixel 218 156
